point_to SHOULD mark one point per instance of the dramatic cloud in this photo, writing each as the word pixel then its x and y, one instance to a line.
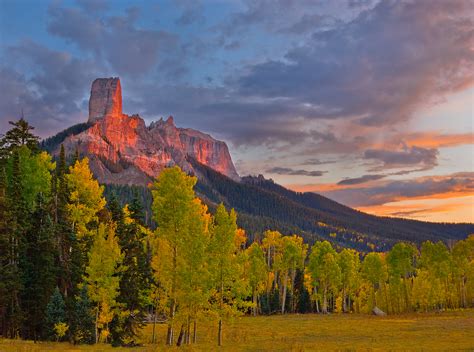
pixel 383 76
pixel 437 140
pixel 128 49
pixel 362 179
pixel 289 171
pixel 314 161
pixel 409 156
pixel 51 97
pixel 390 191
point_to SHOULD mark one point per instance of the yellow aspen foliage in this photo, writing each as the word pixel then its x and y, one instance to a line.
pixel 86 198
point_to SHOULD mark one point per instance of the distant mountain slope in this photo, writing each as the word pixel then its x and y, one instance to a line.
pixel 259 202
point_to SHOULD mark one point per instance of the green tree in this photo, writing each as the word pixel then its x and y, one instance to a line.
pixel 55 312
pixel 102 278
pixel 83 324
pixel 20 135
pixel 293 256
pixel 436 263
pixel 224 266
pixel 173 204
pixel 38 269
pixel 194 286
pixel 349 263
pixel 373 271
pixel 85 199
pixel 17 225
pixel 401 266
pixel 324 270
pixel 7 275
pixel 134 278
pixel 257 271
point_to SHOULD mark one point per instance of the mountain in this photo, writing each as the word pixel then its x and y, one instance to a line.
pixel 123 150
pixel 126 155
pixel 263 204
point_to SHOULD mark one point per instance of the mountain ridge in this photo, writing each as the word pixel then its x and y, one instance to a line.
pixel 123 150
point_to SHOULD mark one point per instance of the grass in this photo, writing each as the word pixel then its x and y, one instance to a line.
pixel 421 332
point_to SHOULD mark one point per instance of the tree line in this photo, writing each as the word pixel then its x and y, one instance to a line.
pixel 75 267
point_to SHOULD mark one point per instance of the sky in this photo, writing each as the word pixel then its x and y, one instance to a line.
pixel 370 103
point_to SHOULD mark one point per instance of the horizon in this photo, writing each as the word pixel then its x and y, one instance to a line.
pixel 379 120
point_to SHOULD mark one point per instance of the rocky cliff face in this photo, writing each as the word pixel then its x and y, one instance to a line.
pixel 106 98
pixel 123 150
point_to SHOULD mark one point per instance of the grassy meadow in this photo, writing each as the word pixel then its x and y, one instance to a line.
pixel 309 332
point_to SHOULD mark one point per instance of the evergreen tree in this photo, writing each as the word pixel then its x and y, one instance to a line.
pixel 19 135
pixel 134 278
pixel 82 324
pixel 38 269
pixel 18 216
pixel 6 274
pixel 55 312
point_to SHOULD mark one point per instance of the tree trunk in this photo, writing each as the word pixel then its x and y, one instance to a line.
pixel 316 300
pixel 169 334
pixel 188 331
pixel 293 278
pixel 219 333
pixel 254 300
pixel 181 336
pixel 283 300
pixel 344 304
pixel 325 301
pixel 154 325
pixel 194 331
pixel 96 325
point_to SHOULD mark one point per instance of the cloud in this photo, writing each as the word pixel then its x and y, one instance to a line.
pixel 293 172
pixel 424 52
pixel 437 140
pixel 389 190
pixel 408 156
pixel 362 179
pixel 51 96
pixel 314 161
pixel 191 13
pixel 128 49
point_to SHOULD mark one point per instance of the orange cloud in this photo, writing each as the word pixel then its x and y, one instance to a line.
pixel 437 208
pixel 446 198
pixel 437 140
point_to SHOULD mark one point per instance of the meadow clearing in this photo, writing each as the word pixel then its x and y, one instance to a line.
pixel 309 332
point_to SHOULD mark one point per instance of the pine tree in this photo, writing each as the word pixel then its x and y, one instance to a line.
pixel 17 227
pixel 134 279
pixel 69 275
pixel 19 135
pixel 38 269
pixel 55 312
pixel 83 325
pixel 5 262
